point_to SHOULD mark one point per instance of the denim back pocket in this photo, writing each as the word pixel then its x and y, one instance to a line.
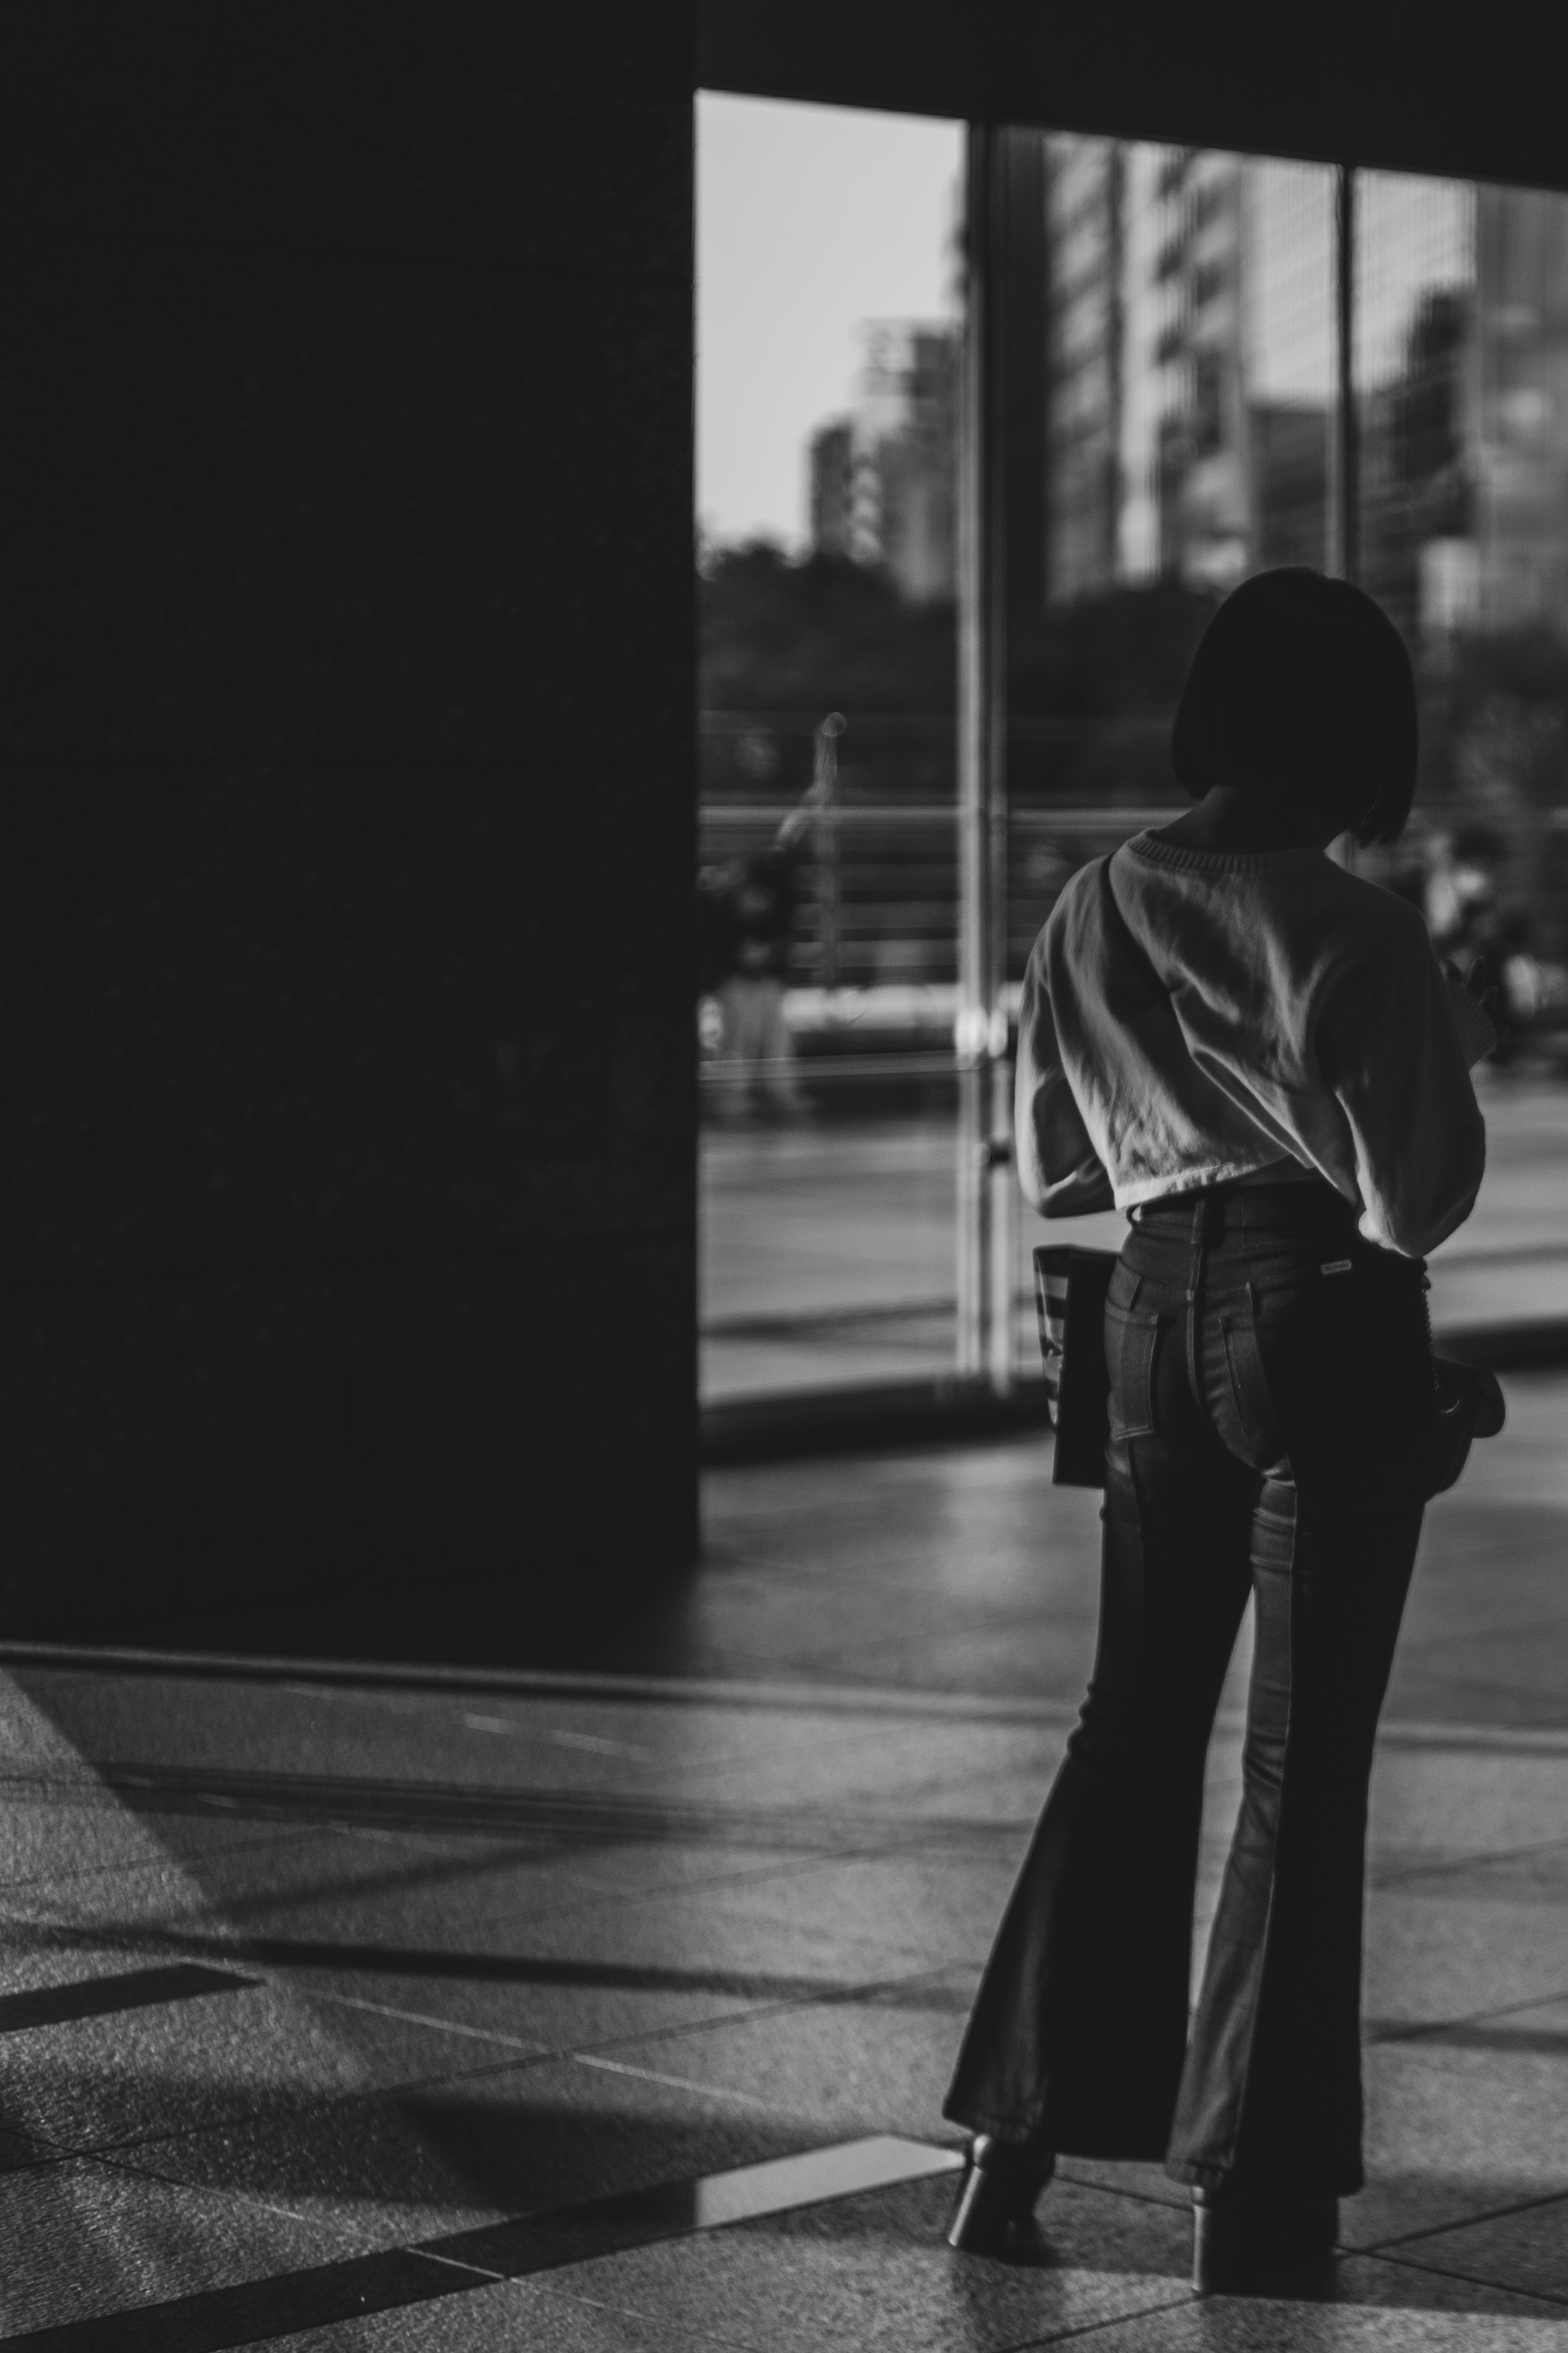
pixel 1251 1394
pixel 1131 1340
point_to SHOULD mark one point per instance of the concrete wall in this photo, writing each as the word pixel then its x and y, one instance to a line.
pixel 348 1139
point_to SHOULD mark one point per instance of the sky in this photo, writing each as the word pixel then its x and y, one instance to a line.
pixel 810 219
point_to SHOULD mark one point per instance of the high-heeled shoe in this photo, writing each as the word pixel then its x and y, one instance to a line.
pixel 1239 2238
pixel 1001 2183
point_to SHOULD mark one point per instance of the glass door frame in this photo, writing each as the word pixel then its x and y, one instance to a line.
pixel 986 1208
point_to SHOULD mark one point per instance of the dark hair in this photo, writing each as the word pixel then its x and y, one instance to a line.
pixel 1301 684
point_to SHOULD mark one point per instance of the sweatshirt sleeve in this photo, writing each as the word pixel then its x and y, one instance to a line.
pixel 1058 1169
pixel 1400 1071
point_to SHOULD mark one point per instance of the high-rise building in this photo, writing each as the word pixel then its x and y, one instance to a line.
pixel 883 479
pixel 1176 417
pixel 1462 366
pixel 1186 426
pixel 1084 298
pixel 1520 374
pixel 831 490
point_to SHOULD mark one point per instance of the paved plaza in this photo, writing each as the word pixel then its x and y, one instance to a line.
pixel 611 2007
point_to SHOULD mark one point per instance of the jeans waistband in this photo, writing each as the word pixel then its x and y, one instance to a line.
pixel 1313 1211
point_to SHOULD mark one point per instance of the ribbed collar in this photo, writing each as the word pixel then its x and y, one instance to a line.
pixel 1216 861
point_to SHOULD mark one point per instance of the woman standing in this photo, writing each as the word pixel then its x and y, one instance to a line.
pixel 1258 1057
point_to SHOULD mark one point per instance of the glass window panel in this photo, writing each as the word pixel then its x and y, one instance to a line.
pixel 1461 375
pixel 1186 404
pixel 828 387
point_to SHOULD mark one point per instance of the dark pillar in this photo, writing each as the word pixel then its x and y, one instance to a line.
pixel 348 1138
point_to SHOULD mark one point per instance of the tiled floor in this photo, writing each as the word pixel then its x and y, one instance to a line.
pixel 401 2016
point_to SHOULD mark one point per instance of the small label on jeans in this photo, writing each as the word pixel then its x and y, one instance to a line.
pixel 1337 1266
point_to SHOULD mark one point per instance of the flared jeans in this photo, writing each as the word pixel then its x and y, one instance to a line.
pixel 1272 1432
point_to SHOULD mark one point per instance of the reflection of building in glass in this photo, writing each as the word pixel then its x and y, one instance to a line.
pixel 1413 337
pixel 1522 406
pixel 1200 455
pixel 1182 371
pixel 883 479
pixel 1188 363
pixel 1084 300
pixel 1462 359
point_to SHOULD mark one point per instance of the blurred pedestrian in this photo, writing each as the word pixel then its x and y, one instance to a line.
pixel 1472 925
pixel 757 1050
pixel 1462 896
pixel 1258 1057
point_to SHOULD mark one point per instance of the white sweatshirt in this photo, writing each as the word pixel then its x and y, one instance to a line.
pixel 1295 1022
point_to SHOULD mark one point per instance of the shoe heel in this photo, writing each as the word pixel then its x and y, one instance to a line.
pixel 980 2222
pixel 1207 2261
pixel 1001 2184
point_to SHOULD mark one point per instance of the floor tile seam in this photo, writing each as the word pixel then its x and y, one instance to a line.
pixel 519 2062
pixel 323 2101
pixel 355 1677
pixel 1411 1649
pixel 1477 1861
pixel 1471 2018
pixel 750 2014
pixel 1119 2190
pixel 826 1697
pixel 746 2013
pixel 788 1866
pixel 1550 1731
pixel 851 1943
pixel 1480 1907
pixel 476 2272
pixel 249 1946
pixel 226 2193
pixel 523 2046
pixel 643 1823
pixel 436 2250
pixel 656 2321
pixel 120 2151
pixel 1092 2328
pixel 497 1921
pixel 585 1912
pixel 160 1863
pixel 435 1863
pixel 49 2153
pixel 956 1775
pixel 1472 2279
pixel 1388 1859
pixel 720 2091
pixel 745 1875
pixel 1461 2222
pixel 1419 1736
pixel 1482 1883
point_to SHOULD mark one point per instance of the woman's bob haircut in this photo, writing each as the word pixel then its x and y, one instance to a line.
pixel 1301 688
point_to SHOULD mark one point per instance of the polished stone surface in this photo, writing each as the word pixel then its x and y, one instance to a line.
pixel 570 1942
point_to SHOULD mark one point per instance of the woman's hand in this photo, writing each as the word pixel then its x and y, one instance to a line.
pixel 1479 982
pixel 1483 986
